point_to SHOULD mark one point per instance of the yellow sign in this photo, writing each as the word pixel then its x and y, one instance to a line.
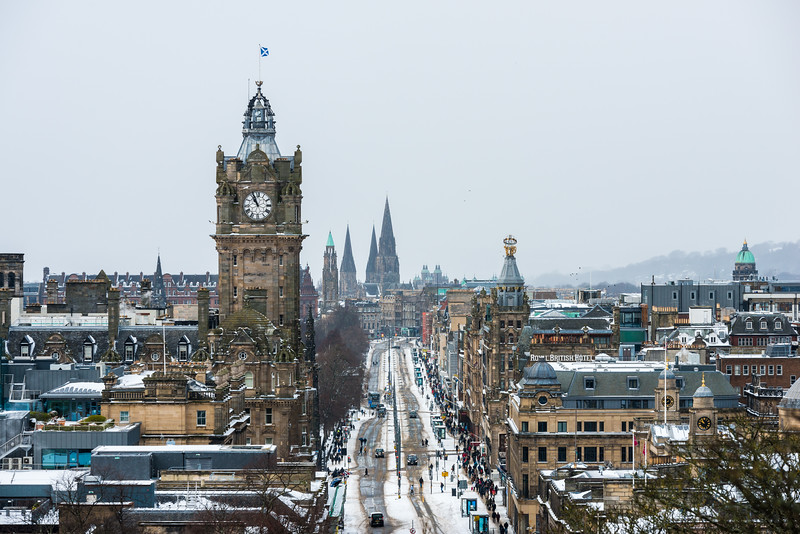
pixel 445 474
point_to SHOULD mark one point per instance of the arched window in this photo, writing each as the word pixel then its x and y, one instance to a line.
pixel 130 348
pixel 12 280
pixel 2 279
pixel 248 380
pixel 26 347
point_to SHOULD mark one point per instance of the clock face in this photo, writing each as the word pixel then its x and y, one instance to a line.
pixel 542 400
pixel 257 205
pixel 704 423
pixel 243 355
pixel 154 356
pixel 669 401
pixel 56 355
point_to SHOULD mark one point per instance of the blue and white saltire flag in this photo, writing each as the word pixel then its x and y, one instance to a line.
pixel 264 52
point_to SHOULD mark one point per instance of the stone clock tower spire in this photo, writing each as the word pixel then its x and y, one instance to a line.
pixel 259 231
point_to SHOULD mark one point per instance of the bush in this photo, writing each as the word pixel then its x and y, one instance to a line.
pixel 94 419
pixel 40 416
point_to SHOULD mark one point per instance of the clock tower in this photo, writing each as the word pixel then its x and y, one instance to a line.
pixel 259 231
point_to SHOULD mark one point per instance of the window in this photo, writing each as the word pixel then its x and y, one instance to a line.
pixel 305 436
pixel 578 456
pixel 779 370
pixel 748 325
pixel 235 292
pixel 124 416
pixel 674 295
pixel 525 490
pixel 129 352
pixel 624 454
pixel 679 382
pixel 580 426
pixel 280 291
pixel 183 351
pixel 602 454
pixel 524 454
pixel 692 295
pixel 745 341
pixel 235 260
pixel 562 426
pixel 778 325
pixel 745 370
pixel 730 295
pixel 737 370
pixel 590 426
pixel 541 426
pixel 792 379
pixel 24 349
pixel 763 325
pixel 771 370
pixel 710 295
pixel 280 319
pixel 728 369
pixel 562 454
pixel 2 280
pixel 542 454
pixel 280 259
pixel 524 426
pixel 590 454
pixel 763 369
pixel 633 382
pixel 624 426
pixel 502 324
pixel 268 416
pixel 201 418
pixel 88 351
pixel 248 380
pixel 12 280
pixel 588 382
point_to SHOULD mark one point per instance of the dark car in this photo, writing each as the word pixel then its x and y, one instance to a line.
pixel 379 453
pixel 411 459
pixel 412 414
pixel 376 519
pixel 336 481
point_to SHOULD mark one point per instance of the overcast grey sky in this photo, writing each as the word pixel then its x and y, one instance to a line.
pixel 598 133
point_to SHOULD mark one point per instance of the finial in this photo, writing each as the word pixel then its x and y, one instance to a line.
pixel 704 379
pixel 259 82
pixel 510 244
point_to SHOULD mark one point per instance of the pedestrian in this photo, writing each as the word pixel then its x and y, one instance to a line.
pixel 442 486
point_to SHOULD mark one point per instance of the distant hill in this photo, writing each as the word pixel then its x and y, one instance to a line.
pixel 780 260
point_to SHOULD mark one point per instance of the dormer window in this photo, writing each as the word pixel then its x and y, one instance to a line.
pixel 588 382
pixel 778 324
pixel 88 349
pixel 748 325
pixel 633 382
pixel 763 324
pixel 184 347
pixel 26 347
pixel 130 348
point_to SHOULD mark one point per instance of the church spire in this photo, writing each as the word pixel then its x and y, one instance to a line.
pixel 348 285
pixel 348 264
pixel 372 274
pixel 259 128
pixel 159 296
pixel 387 244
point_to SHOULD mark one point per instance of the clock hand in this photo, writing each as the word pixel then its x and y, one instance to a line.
pixel 255 199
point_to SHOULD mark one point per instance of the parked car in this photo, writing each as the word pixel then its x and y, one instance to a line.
pixel 376 519
pixel 412 414
pixel 336 481
pixel 379 453
pixel 411 459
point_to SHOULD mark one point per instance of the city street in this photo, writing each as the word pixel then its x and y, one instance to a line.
pixel 431 508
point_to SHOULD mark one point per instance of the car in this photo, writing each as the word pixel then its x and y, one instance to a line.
pixel 411 459
pixel 336 481
pixel 412 414
pixel 381 412
pixel 379 453
pixel 376 519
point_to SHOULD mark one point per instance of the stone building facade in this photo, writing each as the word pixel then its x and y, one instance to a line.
pixel 330 277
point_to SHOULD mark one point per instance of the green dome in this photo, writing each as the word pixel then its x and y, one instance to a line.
pixel 745 256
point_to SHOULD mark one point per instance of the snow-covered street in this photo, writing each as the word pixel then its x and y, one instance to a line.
pixel 431 508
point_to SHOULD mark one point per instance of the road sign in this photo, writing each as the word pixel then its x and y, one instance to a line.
pixel 445 473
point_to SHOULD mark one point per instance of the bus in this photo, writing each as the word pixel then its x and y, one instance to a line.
pixel 374 398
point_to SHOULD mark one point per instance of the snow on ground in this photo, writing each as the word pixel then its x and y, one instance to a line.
pixel 401 514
